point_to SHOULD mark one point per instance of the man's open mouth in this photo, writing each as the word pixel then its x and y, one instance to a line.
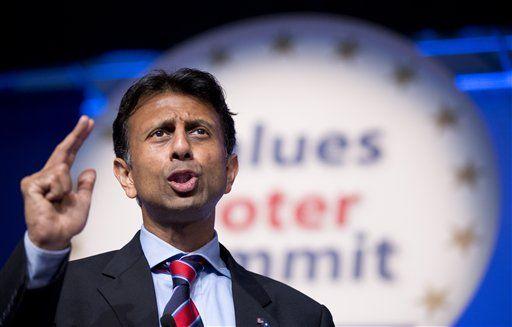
pixel 183 181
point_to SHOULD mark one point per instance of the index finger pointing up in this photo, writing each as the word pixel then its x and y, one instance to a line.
pixel 66 151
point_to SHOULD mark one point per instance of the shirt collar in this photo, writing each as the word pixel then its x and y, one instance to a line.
pixel 156 250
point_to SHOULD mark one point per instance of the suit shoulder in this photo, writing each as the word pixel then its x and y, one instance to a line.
pixel 93 263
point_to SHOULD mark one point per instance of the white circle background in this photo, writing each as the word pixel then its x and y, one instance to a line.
pixel 286 75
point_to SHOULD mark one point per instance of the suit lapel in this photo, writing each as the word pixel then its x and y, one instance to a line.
pixel 129 286
pixel 129 289
pixel 249 297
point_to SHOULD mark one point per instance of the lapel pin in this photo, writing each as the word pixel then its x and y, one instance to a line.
pixel 262 322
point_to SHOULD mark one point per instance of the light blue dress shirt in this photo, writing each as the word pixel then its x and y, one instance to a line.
pixel 211 291
pixel 42 264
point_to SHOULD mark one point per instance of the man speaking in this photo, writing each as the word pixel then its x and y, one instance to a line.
pixel 173 139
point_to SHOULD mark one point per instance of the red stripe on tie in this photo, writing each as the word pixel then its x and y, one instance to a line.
pixel 179 268
pixel 187 315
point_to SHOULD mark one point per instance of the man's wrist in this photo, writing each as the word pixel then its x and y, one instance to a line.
pixel 37 249
pixel 47 245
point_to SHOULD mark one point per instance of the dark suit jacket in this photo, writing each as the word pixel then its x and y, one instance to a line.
pixel 116 289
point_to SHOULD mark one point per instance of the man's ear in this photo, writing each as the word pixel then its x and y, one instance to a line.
pixel 231 171
pixel 123 174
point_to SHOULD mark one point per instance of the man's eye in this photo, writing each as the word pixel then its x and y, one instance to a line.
pixel 201 131
pixel 159 133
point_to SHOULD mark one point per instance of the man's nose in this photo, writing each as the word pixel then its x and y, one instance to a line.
pixel 181 149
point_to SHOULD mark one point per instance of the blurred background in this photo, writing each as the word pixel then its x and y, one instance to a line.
pixel 61 62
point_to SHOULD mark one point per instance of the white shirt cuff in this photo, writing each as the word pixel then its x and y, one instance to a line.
pixel 42 265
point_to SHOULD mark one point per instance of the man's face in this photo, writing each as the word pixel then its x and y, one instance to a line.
pixel 179 168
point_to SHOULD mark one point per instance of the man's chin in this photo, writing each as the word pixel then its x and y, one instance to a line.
pixel 185 194
pixel 183 215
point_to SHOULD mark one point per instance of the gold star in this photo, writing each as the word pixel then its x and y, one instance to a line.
pixel 467 174
pixel 404 74
pixel 283 43
pixel 446 117
pixel 346 49
pixel 219 56
pixel 433 300
pixel 463 238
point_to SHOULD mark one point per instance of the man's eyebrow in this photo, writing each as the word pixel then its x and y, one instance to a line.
pixel 198 122
pixel 189 124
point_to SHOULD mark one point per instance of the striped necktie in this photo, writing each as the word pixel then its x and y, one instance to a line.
pixel 181 311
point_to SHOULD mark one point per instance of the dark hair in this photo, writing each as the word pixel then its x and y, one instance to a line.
pixel 198 84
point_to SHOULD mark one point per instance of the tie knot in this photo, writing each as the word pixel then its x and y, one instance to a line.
pixel 184 269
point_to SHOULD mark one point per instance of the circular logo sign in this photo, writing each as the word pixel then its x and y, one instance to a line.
pixel 366 180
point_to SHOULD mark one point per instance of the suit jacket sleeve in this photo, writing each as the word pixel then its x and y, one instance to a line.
pixel 20 306
pixel 326 318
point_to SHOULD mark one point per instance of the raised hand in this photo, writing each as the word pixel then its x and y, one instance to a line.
pixel 54 211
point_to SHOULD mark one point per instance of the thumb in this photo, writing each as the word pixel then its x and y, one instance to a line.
pixel 86 181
